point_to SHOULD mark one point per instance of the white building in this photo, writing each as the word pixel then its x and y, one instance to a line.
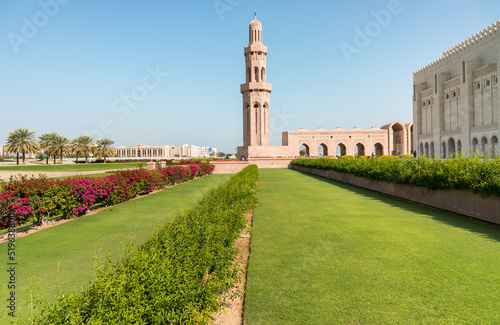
pixel 456 100
pixel 164 152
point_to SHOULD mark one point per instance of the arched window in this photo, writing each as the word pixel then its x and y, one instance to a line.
pixel 249 77
pixel 256 106
pixel 256 74
pixel 304 150
pixel 263 75
pixel 451 147
pixel 475 145
pixel 322 150
pixel 264 115
pixel 494 146
pixel 359 150
pixel 378 149
pixel 341 150
pixel 484 145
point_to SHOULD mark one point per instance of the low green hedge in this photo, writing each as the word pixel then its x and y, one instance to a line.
pixel 175 277
pixel 481 176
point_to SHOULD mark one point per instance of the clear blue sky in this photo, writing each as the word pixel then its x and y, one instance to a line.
pixel 168 72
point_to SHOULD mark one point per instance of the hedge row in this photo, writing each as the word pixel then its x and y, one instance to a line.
pixel 481 176
pixel 175 277
pixel 37 199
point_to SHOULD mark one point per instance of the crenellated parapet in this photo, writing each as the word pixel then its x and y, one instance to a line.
pixel 470 44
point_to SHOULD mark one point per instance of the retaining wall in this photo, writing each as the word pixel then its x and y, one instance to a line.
pixel 458 201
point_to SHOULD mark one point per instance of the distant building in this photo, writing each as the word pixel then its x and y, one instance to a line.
pixel 164 152
pixel 456 99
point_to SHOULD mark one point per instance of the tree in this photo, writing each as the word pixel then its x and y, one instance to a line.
pixel 83 145
pixel 61 146
pixel 21 141
pixel 105 148
pixel 46 141
pixel 303 152
pixel 221 154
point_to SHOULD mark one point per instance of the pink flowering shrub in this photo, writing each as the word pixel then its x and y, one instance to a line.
pixel 37 199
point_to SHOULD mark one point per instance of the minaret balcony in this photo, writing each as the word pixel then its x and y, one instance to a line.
pixel 262 86
pixel 255 47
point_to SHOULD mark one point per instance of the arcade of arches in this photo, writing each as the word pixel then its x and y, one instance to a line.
pixel 393 138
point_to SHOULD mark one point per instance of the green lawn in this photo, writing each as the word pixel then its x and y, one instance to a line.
pixel 329 253
pixel 73 167
pixel 61 257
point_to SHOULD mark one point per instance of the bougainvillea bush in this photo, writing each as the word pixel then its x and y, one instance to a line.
pixel 481 176
pixel 38 199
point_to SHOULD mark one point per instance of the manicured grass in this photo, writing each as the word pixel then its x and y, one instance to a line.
pixel 329 253
pixel 62 257
pixel 73 167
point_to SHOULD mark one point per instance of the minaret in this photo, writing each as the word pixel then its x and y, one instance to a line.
pixel 255 91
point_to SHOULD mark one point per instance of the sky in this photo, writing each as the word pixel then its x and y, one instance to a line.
pixel 169 72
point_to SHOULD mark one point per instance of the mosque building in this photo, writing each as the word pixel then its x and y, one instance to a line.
pixel 393 138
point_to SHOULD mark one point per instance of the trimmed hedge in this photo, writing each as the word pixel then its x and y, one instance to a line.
pixel 35 199
pixel 481 176
pixel 175 277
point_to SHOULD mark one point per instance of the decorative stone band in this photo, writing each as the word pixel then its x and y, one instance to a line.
pixel 466 46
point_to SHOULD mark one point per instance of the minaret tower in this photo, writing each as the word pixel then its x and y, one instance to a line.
pixel 256 91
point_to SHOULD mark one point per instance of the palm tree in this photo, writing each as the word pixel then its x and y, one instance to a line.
pixel 84 146
pixel 61 147
pixel 46 142
pixel 21 141
pixel 104 148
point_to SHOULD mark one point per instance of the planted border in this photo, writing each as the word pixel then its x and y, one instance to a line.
pixel 481 176
pixel 175 277
pixel 37 199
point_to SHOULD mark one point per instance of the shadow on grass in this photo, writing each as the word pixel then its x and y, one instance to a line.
pixel 484 228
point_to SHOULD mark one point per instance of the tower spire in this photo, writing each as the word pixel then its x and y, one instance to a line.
pixel 255 16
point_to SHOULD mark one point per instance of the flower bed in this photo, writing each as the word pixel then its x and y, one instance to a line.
pixel 37 199
pixel 176 276
pixel 480 176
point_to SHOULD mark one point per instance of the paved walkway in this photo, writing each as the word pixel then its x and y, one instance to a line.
pixel 6 174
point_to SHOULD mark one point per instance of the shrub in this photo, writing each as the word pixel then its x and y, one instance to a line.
pixel 177 275
pixel 481 176
pixel 37 199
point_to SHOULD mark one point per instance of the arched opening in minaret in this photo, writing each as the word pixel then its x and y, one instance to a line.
pixel 256 107
pixel 341 150
pixel 378 149
pixel 322 150
pixel 263 75
pixel 304 150
pixel 249 75
pixel 256 74
pixel 264 115
pixel 359 150
pixel 247 126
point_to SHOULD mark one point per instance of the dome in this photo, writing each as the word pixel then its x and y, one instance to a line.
pixel 255 24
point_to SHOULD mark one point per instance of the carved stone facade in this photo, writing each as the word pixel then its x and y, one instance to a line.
pixel 456 100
